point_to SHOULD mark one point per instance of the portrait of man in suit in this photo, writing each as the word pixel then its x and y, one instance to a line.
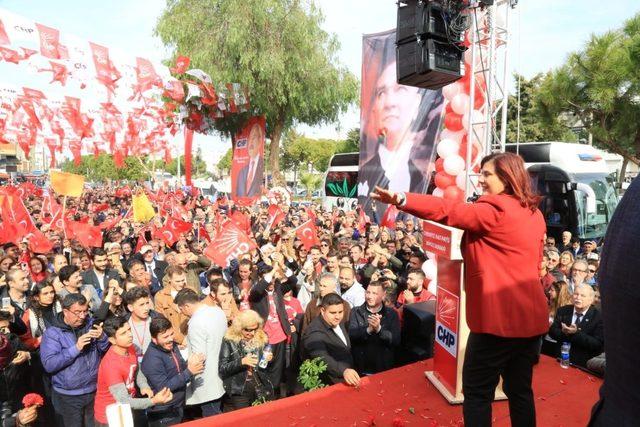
pixel 250 177
pixel 399 125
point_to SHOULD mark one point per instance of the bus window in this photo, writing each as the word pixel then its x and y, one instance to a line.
pixel 594 225
pixel 341 184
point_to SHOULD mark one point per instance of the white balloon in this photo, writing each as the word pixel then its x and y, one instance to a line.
pixel 430 269
pixel 447 147
pixel 453 165
pixel 478 117
pixel 451 90
pixel 461 181
pixel 460 103
pixel 437 192
pixel 449 134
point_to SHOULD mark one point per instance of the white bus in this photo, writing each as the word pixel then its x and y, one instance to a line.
pixel 341 182
pixel 579 192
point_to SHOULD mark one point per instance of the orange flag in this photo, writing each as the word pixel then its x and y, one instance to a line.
pixel 67 184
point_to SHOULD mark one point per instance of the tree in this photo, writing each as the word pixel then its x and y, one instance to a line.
pixel 532 127
pixel 310 182
pixel 103 168
pixel 299 152
pixel 600 86
pixel 198 165
pixel 351 144
pixel 225 162
pixel 276 48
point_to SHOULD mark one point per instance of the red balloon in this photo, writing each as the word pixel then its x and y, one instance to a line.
pixel 453 193
pixel 463 149
pixel 453 122
pixel 478 99
pixel 444 180
pixel 448 109
pixel 440 165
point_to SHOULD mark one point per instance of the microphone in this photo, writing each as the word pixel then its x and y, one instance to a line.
pixel 474 198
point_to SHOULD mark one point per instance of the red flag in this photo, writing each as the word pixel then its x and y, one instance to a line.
pixel 202 234
pixel 50 46
pixel 38 243
pixel 389 217
pixel 4 38
pixel 177 226
pixel 228 243
pixel 241 220
pixel 141 241
pixel 275 216
pixel 311 214
pixel 87 235
pixel 308 234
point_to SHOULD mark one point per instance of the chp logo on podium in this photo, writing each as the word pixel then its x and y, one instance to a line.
pixel 447 321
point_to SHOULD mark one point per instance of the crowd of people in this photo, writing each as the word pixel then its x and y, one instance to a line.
pixel 161 328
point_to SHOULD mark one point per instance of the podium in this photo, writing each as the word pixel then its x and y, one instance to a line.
pixel 451 330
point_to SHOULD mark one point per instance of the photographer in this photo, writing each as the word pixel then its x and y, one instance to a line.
pixel 71 350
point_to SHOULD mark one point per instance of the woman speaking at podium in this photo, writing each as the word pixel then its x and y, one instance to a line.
pixel 506 307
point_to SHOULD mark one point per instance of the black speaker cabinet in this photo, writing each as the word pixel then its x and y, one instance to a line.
pixel 421 17
pixel 418 332
pixel 428 63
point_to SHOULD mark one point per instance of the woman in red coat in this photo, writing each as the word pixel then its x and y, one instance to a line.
pixel 506 306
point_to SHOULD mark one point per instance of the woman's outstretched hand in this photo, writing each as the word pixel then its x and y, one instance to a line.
pixel 385 196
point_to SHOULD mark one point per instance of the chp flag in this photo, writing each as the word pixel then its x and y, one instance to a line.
pixel 228 242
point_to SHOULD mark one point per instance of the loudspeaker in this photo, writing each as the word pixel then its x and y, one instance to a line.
pixel 418 332
pixel 420 17
pixel 428 63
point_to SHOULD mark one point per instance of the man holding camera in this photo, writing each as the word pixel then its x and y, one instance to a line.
pixel 70 351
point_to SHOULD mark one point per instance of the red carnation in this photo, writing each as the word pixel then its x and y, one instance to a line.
pixel 32 399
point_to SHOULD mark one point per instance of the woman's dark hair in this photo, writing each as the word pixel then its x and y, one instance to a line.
pixel 42 264
pixel 34 304
pixel 509 167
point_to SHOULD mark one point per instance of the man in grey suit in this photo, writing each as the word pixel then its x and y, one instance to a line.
pixel 250 177
pixel 99 275
pixel 619 403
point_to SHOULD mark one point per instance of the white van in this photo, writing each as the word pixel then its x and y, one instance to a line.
pixel 340 187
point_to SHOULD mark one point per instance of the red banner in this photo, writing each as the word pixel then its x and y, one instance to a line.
pixel 247 169
pixel 228 243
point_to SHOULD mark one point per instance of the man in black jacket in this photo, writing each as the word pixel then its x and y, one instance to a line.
pixel 327 337
pixel 267 298
pixel 99 275
pixel 580 325
pixel 163 366
pixel 374 330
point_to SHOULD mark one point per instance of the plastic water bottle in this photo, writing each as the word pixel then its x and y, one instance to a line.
pixel 564 355
pixel 266 352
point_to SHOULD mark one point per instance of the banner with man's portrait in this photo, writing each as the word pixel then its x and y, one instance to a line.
pixel 398 125
pixel 247 168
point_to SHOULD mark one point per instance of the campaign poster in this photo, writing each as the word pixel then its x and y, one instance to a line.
pixel 247 168
pixel 398 125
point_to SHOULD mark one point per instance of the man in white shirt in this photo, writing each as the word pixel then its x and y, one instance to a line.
pixel 207 326
pixel 352 291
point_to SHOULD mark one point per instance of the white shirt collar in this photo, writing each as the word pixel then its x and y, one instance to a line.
pixel 394 163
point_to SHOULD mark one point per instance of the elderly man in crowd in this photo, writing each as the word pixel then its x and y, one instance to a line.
pixel 580 325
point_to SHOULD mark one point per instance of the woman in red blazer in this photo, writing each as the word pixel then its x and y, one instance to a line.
pixel 506 306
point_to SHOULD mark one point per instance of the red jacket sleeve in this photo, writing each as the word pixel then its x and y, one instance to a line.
pixel 28 339
pixel 479 217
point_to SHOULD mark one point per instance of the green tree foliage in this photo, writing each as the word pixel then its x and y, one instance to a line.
pixel 276 48
pixel 198 166
pixel 532 126
pixel 600 85
pixel 299 151
pixel 102 168
pixel 351 144
pixel 311 182
pixel 224 165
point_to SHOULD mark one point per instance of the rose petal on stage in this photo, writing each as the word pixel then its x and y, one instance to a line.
pixel 563 382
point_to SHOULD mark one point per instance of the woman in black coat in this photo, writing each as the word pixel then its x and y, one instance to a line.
pixel 242 349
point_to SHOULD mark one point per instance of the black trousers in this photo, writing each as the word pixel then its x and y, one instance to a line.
pixel 275 370
pixel 74 411
pixel 233 402
pixel 489 357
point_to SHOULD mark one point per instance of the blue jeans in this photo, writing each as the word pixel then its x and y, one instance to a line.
pixel 211 408
pixel 162 419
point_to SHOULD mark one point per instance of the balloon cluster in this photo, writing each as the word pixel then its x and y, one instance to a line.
pixel 452 146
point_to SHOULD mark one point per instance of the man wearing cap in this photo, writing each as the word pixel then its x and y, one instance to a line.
pixel 152 265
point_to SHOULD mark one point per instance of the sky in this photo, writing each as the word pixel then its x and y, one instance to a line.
pixel 542 34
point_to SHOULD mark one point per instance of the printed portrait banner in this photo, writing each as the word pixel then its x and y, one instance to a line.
pixel 398 125
pixel 247 168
